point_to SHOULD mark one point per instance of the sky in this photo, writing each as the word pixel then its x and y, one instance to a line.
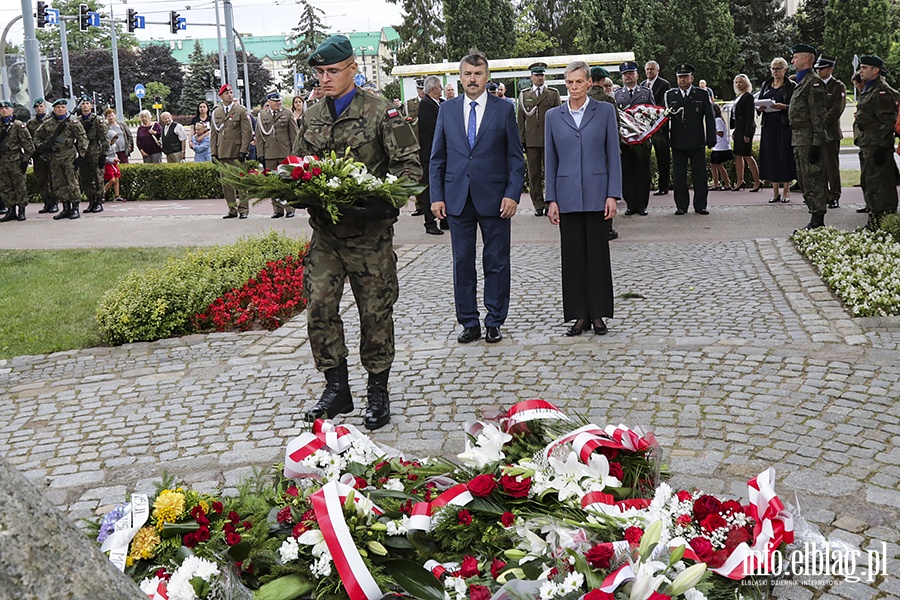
pixel 257 17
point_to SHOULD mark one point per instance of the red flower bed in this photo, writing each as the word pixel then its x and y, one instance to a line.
pixel 265 302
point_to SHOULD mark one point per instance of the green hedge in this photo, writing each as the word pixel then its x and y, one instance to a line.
pixel 158 303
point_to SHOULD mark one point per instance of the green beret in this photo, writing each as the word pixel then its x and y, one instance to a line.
pixel 38 101
pixel 59 101
pixel 873 60
pixel 798 48
pixel 598 73
pixel 6 104
pixel 85 98
pixel 335 49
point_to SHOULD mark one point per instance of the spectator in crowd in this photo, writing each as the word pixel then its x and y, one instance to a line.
pixel 297 106
pixel 584 180
pixel 174 138
pixel 608 86
pixel 111 172
pixel 534 103
pixel 428 115
pixel 776 155
pixel 635 157
pixel 149 138
pixel 501 93
pixel 124 141
pixel 660 140
pixel 857 81
pixel 721 153
pixel 315 95
pixel 201 116
pixel 702 85
pixel 743 121
pixel 449 91
pixel 200 143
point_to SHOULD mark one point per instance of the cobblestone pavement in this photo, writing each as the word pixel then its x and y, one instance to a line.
pixel 733 352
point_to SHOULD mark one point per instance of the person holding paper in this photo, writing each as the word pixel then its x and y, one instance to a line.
pixel 776 155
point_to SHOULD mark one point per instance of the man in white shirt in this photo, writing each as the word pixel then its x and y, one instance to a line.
pixel 174 138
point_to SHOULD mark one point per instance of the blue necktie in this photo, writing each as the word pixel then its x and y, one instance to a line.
pixel 470 132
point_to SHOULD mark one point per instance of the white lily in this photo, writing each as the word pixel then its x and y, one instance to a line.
pixel 314 538
pixel 533 544
pixel 488 447
pixel 645 579
pixel 687 579
pixel 567 476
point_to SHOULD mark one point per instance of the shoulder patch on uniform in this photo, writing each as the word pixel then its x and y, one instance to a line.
pixel 392 112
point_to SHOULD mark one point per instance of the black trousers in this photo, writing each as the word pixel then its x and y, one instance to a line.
pixel 587 286
pixel 636 176
pixel 660 141
pixel 423 200
pixel 697 158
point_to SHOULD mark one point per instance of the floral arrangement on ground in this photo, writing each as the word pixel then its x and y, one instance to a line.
pixel 540 505
pixel 862 267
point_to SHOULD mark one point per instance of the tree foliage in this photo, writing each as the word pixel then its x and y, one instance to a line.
pixel 558 21
pixel 601 29
pixel 857 27
pixel 198 80
pixel 809 22
pixel 305 37
pixel 92 39
pixel 421 32
pixel 488 25
pixel 762 33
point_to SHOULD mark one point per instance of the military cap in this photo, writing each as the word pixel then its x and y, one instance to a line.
pixel 225 88
pixel 538 68
pixel 59 101
pixel 873 60
pixel 85 98
pixel 273 96
pixel 824 61
pixel 37 101
pixel 369 86
pixel 492 87
pixel 6 104
pixel 628 65
pixel 799 48
pixel 331 51
pixel 684 69
pixel 598 73
pixel 420 84
pixel 314 83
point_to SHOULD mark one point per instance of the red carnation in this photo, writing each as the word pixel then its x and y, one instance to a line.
pixel 706 505
pixel 306 176
pixel 284 515
pixel 507 519
pixel 202 534
pixel 633 536
pixel 615 469
pixel 464 517
pixel 189 540
pixel 482 486
pixel 217 507
pixel 316 171
pixel 197 511
pixel 712 523
pixel 479 592
pixel 683 496
pixel 297 172
pixel 736 537
pixel 299 529
pixel 292 491
pixel 232 538
pixel 702 547
pixel 469 567
pixel 552 573
pixel 247 525
pixel 309 515
pixel 234 517
pixel 514 487
pixel 497 567
pixel 683 520
pixel 659 596
pixel 600 556
pixel 596 594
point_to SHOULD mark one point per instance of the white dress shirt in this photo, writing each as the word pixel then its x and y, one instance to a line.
pixel 578 115
pixel 479 113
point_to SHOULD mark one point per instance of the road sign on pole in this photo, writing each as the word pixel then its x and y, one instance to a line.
pixel 299 81
pixel 52 16
pixel 140 91
pixel 359 79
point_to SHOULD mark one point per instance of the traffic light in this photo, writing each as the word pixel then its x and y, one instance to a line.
pixel 130 20
pixel 84 19
pixel 41 14
pixel 173 21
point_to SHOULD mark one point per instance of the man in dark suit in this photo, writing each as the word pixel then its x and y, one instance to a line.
pixel 692 126
pixel 428 114
pixel 660 139
pixel 477 172
pixel 635 157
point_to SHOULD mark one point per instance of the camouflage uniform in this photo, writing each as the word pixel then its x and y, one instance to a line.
pixel 16 147
pixel 90 173
pixel 41 166
pixel 873 132
pixel 362 250
pixel 806 113
pixel 60 153
pixel 836 93
pixel 275 134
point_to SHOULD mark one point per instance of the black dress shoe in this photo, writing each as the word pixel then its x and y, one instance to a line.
pixel 230 216
pixel 629 212
pixel 643 213
pixel 289 215
pixel 469 334
pixel 613 234
pixel 493 335
pixel 242 216
pixel 701 211
pixel 775 200
pixel 660 192
pixel 600 327
pixel 418 213
pixel 680 211
pixel 834 204
pixel 277 216
pixel 580 326
pixel 433 229
pixel 864 209
pixel 539 212
pixel 757 188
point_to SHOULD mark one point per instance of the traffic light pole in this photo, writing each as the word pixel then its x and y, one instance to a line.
pixel 32 56
pixel 229 39
pixel 117 81
pixel 64 47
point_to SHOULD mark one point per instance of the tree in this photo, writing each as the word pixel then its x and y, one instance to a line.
pixel 762 34
pixel 422 32
pixel 488 25
pixel 260 77
pixel 530 42
pixel 809 22
pixel 305 37
pixel 857 27
pixel 92 72
pixel 601 28
pixel 92 39
pixel 198 80
pixel 158 64
pixel 558 20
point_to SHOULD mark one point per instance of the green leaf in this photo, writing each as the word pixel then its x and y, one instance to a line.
pixel 591 578
pixel 390 494
pixel 532 569
pixel 415 579
pixel 240 551
pixel 172 529
pixel 398 541
pixel 284 588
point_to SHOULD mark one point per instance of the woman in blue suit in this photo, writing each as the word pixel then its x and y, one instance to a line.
pixel 583 181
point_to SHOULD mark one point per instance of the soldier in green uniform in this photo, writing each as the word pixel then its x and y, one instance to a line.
pixel 360 246
pixel 16 147
pixel 276 130
pixel 229 142
pixel 61 141
pixel 836 101
pixel 90 172
pixel 873 132
pixel 533 105
pixel 807 116
pixel 412 106
pixel 41 168
pixel 598 76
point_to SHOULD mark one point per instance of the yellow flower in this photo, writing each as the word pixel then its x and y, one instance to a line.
pixel 167 507
pixel 143 545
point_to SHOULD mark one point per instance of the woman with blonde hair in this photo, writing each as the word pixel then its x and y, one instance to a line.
pixel 743 121
pixel 776 155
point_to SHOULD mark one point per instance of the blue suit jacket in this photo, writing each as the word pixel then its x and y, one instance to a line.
pixel 490 171
pixel 583 166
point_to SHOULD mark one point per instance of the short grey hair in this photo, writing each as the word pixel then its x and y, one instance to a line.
pixel 476 58
pixel 145 112
pixel 651 62
pixel 578 65
pixel 433 82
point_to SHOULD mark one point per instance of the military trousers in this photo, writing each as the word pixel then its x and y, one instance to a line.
pixel 812 178
pixel 660 142
pixel 697 159
pixel 369 262
pixel 42 175
pixel 235 206
pixel 12 184
pixel 878 181
pixel 832 163
pixel 64 180
pixel 278 206
pixel 535 159
pixel 636 176
pixel 90 177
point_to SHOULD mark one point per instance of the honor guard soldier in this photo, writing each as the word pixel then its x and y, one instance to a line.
pixel 635 157
pixel 692 125
pixel 873 133
pixel 835 102
pixel 16 148
pixel 61 142
pixel 41 168
pixel 599 76
pixel 660 140
pixel 90 172
pixel 276 130
pixel 360 246
pixel 533 105
pixel 412 105
pixel 229 142
pixel 806 114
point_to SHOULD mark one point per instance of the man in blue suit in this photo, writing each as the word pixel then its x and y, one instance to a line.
pixel 476 175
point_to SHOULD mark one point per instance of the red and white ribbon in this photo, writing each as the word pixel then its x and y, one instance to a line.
pixel 160 593
pixel 328 507
pixel 640 122
pixel 529 410
pixel 420 519
pixel 623 574
pixel 606 503
pixel 587 439
pixel 136 514
pixel 325 434
pixel 440 569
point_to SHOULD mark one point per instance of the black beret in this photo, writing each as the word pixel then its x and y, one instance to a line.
pixel 798 48
pixel 873 60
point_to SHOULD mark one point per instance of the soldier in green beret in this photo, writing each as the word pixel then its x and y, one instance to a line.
pixel 61 141
pixel 91 170
pixel 806 113
pixel 360 246
pixel 41 168
pixel 873 133
pixel 16 147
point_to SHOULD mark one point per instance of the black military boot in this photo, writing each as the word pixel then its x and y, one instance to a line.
pixel 54 206
pixel 10 214
pixel 378 409
pixel 21 215
pixel 46 209
pixel 73 210
pixel 64 213
pixel 92 204
pixel 816 220
pixel 336 399
pixel 98 205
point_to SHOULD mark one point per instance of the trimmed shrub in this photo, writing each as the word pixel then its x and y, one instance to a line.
pixel 158 303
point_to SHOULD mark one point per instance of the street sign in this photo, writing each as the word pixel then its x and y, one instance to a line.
pixel 157 106
pixel 140 22
pixel 94 19
pixel 140 91
pixel 359 79
pixel 182 23
pixel 855 59
pixel 52 16
pixel 299 81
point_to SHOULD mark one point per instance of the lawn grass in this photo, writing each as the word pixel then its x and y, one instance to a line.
pixel 50 296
